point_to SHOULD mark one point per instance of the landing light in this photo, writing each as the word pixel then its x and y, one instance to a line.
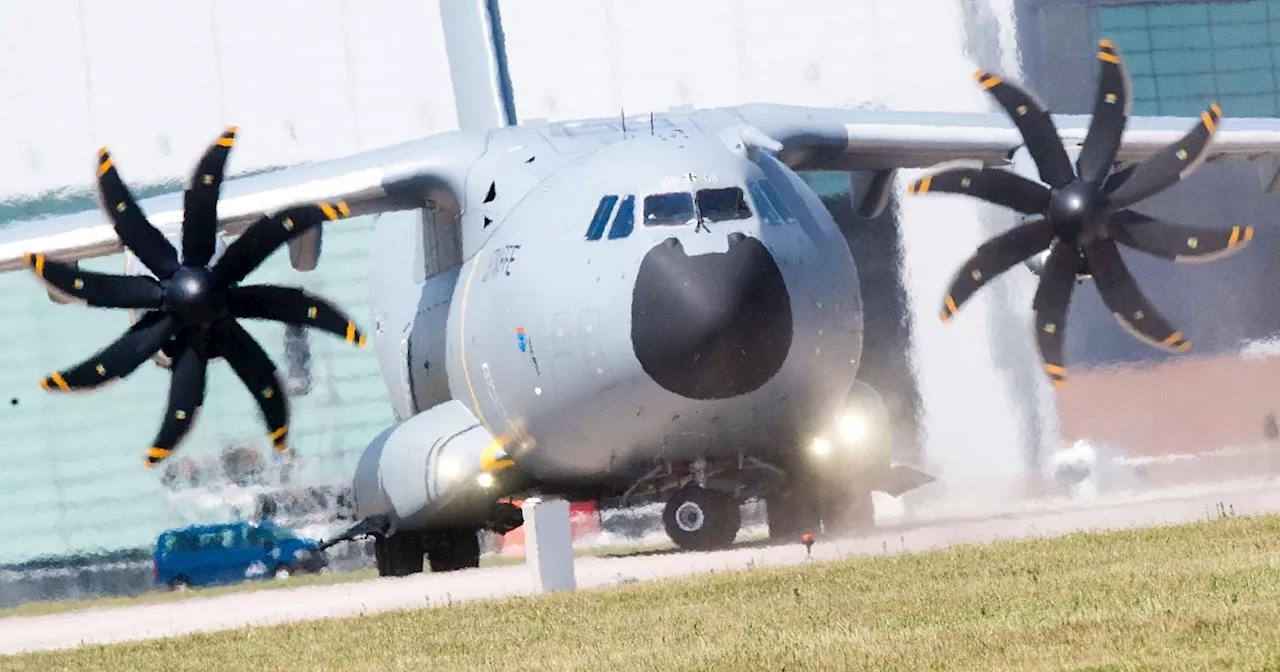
pixel 821 446
pixel 449 469
pixel 852 427
pixel 485 480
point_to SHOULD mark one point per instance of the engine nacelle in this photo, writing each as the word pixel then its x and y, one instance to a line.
pixel 132 266
pixel 433 471
pixel 870 191
pixel 1022 164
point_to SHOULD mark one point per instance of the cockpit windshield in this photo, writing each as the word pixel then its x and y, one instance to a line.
pixel 670 209
pixel 718 205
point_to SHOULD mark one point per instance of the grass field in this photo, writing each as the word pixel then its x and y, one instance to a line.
pixel 1200 596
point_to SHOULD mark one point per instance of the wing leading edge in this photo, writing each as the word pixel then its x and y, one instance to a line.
pixel 850 139
pixel 394 178
pixel 400 177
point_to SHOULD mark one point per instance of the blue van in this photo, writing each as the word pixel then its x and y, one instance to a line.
pixel 226 553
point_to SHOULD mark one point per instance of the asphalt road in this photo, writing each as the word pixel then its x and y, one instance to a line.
pixel 201 614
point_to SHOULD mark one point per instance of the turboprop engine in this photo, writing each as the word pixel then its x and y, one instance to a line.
pixel 438 465
pixel 134 267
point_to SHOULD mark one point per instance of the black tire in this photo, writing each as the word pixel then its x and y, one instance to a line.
pixel 451 550
pixel 698 519
pixel 804 507
pixel 849 517
pixel 399 555
pixel 791 514
pixel 179 583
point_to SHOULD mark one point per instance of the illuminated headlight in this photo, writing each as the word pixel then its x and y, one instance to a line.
pixel 485 480
pixel 821 446
pixel 852 427
pixel 449 468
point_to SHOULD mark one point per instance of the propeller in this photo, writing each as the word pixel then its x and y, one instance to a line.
pixel 1078 213
pixel 191 307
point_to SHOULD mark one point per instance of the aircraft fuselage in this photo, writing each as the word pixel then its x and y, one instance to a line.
pixel 660 298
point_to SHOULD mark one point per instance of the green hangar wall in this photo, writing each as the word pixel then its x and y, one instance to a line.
pixel 74 480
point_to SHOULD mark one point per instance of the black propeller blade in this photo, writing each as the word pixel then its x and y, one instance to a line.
pixel 1081 212
pixel 189 308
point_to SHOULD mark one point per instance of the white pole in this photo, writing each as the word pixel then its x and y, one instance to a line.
pixel 548 545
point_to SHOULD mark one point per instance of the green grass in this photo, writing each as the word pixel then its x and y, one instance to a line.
pixel 61 606
pixel 1200 596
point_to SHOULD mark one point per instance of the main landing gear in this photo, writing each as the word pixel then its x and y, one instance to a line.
pixel 401 554
pixel 803 507
pixel 701 519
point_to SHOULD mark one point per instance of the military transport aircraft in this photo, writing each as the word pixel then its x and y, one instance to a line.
pixel 599 307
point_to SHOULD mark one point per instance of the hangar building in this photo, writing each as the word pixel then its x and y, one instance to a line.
pixel 157 81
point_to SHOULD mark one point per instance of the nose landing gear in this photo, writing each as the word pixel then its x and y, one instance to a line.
pixel 701 519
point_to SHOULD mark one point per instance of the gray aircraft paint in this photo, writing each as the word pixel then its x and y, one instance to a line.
pixel 523 197
pixel 567 405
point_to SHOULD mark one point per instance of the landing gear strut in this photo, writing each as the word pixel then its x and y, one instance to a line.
pixel 401 554
pixel 701 519
pixel 801 507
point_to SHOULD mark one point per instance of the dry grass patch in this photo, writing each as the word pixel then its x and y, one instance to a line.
pixel 1199 596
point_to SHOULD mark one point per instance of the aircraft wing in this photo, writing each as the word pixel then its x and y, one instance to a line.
pixel 393 178
pixel 852 139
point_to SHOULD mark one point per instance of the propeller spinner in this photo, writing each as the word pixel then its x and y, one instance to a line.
pixel 191 307
pixel 1079 214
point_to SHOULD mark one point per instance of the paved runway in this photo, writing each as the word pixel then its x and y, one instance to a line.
pixel 311 602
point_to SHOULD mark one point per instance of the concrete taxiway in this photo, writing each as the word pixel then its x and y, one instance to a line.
pixel 199 614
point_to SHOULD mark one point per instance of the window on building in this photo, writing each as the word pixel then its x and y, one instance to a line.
pixel 1183 56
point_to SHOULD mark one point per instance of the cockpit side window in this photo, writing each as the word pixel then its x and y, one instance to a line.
pixel 764 205
pixel 775 199
pixel 601 218
pixel 625 220
pixel 670 209
pixel 723 204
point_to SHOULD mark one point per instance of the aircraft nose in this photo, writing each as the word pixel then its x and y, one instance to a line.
pixel 711 326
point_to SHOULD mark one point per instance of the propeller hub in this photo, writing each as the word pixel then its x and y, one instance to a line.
pixel 1076 208
pixel 189 294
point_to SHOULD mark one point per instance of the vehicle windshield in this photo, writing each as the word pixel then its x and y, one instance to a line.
pixel 670 209
pixel 718 205
pixel 277 532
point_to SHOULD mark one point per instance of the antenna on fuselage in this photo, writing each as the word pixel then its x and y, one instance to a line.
pixel 622 111
pixel 651 123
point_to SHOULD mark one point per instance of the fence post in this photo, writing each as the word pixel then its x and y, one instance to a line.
pixel 548 544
